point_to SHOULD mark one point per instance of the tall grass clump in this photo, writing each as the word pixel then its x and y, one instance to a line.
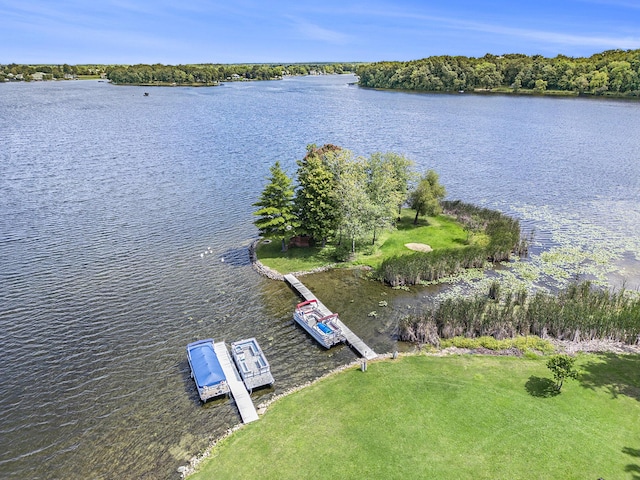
pixel 580 312
pixel 411 269
pixel 504 238
pixel 528 344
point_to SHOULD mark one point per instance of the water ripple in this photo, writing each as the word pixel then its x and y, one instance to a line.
pixel 124 225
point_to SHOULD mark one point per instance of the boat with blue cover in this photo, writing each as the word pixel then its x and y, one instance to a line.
pixel 324 328
pixel 206 370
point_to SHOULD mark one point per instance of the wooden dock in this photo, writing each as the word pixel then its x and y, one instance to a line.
pixel 352 339
pixel 238 390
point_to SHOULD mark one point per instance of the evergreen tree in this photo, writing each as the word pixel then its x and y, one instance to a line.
pixel 276 210
pixel 315 203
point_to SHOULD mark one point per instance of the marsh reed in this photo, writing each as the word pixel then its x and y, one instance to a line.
pixel 580 312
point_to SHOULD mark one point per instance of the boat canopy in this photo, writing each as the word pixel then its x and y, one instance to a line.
pixel 307 302
pixel 204 363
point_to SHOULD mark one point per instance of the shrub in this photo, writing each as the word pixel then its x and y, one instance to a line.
pixel 563 367
pixel 342 253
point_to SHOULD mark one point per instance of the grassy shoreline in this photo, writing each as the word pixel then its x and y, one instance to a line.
pixel 445 417
pixel 441 232
pixel 415 251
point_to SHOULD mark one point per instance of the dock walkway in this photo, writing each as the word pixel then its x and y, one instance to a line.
pixel 352 339
pixel 238 390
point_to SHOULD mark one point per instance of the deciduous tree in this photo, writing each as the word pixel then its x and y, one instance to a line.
pixel 562 367
pixel 426 198
pixel 356 209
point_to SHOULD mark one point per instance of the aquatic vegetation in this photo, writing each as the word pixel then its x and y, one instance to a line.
pixel 579 312
pixel 572 248
pixel 401 287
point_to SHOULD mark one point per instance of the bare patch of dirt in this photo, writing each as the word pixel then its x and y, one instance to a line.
pixel 418 247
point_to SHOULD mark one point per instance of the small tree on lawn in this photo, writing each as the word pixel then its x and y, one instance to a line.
pixel 425 199
pixel 276 211
pixel 563 367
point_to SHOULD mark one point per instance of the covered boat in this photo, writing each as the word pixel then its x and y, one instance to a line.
pixel 324 328
pixel 206 370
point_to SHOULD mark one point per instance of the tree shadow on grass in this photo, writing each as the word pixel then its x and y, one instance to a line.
pixel 618 374
pixel 632 468
pixel 541 387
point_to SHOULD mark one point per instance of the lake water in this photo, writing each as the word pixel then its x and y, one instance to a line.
pixel 125 221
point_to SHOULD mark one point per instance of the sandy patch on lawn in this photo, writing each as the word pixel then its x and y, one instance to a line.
pixel 418 247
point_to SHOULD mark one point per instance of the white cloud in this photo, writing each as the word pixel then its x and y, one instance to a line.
pixel 555 37
pixel 427 22
pixel 315 32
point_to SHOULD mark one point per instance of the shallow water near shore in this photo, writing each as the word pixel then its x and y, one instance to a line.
pixel 125 222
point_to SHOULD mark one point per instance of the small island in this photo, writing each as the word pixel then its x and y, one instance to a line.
pixel 376 213
pixel 379 214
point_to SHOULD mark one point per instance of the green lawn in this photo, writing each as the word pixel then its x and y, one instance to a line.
pixel 452 417
pixel 438 232
pixel 294 259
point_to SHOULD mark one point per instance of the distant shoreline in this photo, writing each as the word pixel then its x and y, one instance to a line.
pixel 507 91
pixel 167 84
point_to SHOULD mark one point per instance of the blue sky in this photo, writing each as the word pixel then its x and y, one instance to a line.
pixel 237 31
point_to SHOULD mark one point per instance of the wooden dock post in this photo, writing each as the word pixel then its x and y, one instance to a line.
pixel 353 340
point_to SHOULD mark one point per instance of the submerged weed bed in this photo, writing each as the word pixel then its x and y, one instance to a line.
pixel 573 248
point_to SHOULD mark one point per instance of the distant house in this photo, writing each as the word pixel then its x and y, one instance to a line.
pixel 38 76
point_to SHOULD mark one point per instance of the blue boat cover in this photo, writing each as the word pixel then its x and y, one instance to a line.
pixel 204 363
pixel 324 328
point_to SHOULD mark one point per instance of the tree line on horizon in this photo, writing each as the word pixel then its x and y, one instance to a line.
pixel 206 74
pixel 14 71
pixel 613 72
pixel 215 73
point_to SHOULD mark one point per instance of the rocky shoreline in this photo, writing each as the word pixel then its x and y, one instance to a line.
pixel 265 271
